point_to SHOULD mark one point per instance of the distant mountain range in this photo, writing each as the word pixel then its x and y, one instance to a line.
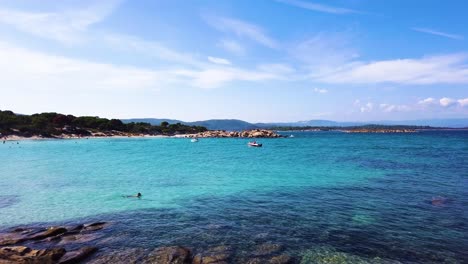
pixel 237 125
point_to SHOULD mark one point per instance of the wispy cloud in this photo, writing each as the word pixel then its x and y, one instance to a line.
pixel 242 29
pixel 321 91
pixel 442 69
pixel 219 60
pixel 153 49
pixel 323 52
pixel 437 33
pixel 216 77
pixel 232 46
pixel 25 70
pixel 65 26
pixel 318 7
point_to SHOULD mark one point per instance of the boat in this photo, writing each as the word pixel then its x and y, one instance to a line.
pixel 291 136
pixel 194 140
pixel 254 144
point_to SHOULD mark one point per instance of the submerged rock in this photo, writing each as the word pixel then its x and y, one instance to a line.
pixel 326 255
pixel 216 255
pixel 94 226
pixel 123 256
pixel 77 255
pixel 169 255
pixel 281 259
pixel 439 201
pixel 267 249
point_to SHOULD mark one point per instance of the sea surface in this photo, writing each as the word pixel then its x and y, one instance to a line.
pixel 358 196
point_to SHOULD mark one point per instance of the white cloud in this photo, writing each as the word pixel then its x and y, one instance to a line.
pixel 321 91
pixel 66 26
pixel 446 102
pixel 318 7
pixel 446 69
pixel 219 60
pixel 427 101
pixel 232 46
pixel 367 108
pixel 242 29
pixel 394 108
pixel 463 102
pixel 437 33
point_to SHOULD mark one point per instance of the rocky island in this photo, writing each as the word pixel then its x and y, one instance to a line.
pixel 254 133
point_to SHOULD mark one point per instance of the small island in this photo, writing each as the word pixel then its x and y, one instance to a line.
pixel 253 133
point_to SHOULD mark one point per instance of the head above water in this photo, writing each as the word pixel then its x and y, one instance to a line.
pixel 139 195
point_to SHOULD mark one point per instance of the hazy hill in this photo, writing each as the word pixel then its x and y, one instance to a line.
pixel 212 124
pixel 237 125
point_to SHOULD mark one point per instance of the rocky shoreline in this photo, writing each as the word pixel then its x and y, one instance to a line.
pixel 79 244
pixel 255 133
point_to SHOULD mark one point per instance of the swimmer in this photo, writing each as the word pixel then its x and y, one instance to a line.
pixel 138 195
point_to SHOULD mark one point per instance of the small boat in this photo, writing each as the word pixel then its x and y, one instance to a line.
pixel 194 140
pixel 254 144
pixel 291 136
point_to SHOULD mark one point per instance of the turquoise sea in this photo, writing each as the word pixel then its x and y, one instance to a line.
pixel 363 195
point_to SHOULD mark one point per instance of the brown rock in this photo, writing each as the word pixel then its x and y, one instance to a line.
pixel 53 231
pixel 94 226
pixel 26 255
pixel 169 255
pixel 77 255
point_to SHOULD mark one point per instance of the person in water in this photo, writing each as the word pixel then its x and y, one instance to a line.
pixel 138 195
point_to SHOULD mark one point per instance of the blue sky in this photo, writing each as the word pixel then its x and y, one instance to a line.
pixel 260 61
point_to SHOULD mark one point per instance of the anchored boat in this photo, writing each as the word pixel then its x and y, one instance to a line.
pixel 254 144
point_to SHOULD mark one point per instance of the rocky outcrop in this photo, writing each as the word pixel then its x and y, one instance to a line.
pixel 53 239
pixel 169 255
pixel 256 133
pixel 216 255
pixel 71 244
pixel 52 231
pixel 76 256
pixel 22 254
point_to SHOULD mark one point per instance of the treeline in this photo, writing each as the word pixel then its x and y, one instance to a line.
pixel 54 124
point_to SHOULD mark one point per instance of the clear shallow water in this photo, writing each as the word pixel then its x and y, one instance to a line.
pixel 363 194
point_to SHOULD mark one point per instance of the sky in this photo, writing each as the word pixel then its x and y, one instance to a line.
pixel 259 61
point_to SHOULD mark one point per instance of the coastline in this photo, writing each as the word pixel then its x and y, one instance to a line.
pixel 22 138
